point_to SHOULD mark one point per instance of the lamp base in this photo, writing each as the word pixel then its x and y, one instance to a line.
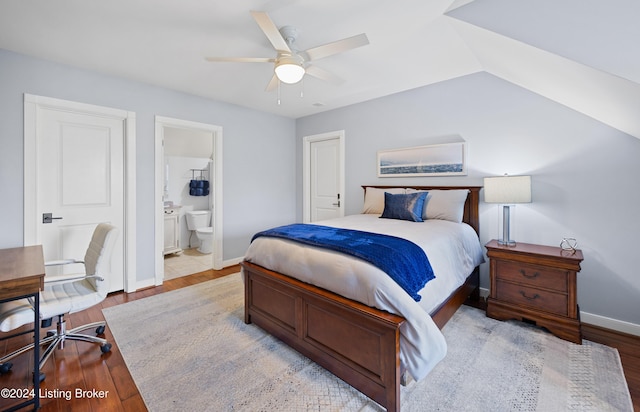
pixel 506 227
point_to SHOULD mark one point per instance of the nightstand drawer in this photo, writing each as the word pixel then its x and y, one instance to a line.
pixel 540 299
pixel 532 275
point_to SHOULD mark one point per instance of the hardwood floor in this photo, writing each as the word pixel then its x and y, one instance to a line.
pixel 629 348
pixel 81 366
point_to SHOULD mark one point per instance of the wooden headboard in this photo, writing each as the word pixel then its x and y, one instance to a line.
pixel 471 214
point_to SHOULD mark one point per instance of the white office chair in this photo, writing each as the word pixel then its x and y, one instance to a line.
pixel 66 294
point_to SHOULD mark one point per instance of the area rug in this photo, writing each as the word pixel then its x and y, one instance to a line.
pixel 189 350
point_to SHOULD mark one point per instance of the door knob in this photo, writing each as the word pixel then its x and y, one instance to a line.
pixel 48 217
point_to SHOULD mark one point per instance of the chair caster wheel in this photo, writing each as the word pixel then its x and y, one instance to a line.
pixel 5 367
pixel 100 330
pixel 50 333
pixel 105 348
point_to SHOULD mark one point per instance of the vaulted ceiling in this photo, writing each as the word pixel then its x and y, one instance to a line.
pixel 580 53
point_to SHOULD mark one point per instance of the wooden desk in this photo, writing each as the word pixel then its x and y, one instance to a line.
pixel 22 276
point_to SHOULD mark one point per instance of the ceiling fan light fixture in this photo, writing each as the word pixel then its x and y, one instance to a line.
pixel 289 69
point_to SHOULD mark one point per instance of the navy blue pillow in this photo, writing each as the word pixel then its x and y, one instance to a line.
pixel 404 207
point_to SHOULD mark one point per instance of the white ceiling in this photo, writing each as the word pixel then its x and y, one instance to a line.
pixel 580 53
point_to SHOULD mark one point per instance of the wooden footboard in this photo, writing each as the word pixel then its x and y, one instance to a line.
pixel 357 343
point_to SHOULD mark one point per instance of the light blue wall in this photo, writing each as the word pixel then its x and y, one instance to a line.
pixel 584 173
pixel 259 174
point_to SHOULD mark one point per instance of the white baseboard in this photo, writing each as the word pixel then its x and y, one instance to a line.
pixel 232 262
pixel 609 323
pixel 484 293
pixel 596 320
pixel 147 283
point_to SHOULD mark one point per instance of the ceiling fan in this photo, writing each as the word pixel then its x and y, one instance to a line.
pixel 290 64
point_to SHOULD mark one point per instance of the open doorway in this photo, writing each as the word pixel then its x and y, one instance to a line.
pixel 188 156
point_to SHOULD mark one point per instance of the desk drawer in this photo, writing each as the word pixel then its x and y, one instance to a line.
pixel 537 276
pixel 520 294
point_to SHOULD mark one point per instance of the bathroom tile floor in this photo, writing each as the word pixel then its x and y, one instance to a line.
pixel 186 263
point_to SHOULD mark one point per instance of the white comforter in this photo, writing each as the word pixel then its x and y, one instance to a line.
pixel 453 250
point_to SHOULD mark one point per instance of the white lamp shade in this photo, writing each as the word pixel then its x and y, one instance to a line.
pixel 289 70
pixel 507 189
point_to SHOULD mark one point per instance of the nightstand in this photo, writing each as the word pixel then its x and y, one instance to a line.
pixel 535 283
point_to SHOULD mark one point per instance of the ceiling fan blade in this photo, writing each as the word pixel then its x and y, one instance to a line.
pixel 273 83
pixel 271 31
pixel 241 59
pixel 322 74
pixel 336 47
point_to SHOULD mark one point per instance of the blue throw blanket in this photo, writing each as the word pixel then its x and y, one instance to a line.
pixel 404 261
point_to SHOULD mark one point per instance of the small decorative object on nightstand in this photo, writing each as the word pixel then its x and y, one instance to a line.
pixel 535 283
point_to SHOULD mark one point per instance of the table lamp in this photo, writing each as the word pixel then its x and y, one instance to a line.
pixel 507 190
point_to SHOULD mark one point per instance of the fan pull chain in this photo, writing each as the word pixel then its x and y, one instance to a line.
pixel 302 88
pixel 279 92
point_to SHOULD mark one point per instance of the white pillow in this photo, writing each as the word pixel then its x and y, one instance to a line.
pixel 444 204
pixel 374 198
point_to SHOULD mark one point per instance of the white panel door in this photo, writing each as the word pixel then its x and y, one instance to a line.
pixel 80 181
pixel 326 202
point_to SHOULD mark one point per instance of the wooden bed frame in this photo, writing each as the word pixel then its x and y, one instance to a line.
pixel 357 343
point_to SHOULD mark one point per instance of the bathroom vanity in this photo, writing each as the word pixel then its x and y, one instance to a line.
pixel 172 230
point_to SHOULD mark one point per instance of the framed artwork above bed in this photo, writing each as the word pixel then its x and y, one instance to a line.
pixel 446 159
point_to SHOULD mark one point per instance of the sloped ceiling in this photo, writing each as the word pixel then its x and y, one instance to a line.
pixel 579 53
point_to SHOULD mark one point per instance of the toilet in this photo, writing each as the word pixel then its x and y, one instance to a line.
pixel 198 222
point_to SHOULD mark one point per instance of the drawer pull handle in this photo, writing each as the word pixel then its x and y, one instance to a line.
pixel 524 295
pixel 524 273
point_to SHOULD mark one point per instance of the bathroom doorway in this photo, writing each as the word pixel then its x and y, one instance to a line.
pixel 187 153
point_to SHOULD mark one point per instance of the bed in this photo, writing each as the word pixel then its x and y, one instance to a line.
pixel 354 336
